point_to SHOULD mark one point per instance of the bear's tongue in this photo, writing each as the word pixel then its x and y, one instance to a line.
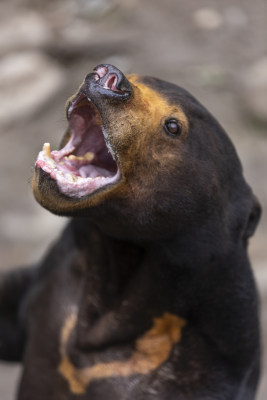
pixel 85 160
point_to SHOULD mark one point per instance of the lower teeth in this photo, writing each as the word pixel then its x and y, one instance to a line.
pixel 89 156
pixel 70 177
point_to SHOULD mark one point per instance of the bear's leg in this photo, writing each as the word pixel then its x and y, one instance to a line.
pixel 14 287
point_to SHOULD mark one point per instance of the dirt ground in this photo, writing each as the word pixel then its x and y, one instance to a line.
pixel 216 50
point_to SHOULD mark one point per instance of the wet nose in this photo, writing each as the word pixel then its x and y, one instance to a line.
pixel 111 78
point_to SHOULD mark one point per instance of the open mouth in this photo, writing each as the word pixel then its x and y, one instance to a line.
pixel 87 162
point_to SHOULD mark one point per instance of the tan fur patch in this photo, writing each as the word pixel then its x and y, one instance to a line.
pixel 150 100
pixel 152 350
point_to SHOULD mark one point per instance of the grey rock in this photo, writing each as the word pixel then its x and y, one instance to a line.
pixel 22 31
pixel 254 90
pixel 94 8
pixel 27 81
pixel 207 18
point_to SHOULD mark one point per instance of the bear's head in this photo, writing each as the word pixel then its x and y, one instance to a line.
pixel 144 159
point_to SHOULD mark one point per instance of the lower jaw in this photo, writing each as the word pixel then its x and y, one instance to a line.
pixel 83 187
pixel 49 195
pixel 70 185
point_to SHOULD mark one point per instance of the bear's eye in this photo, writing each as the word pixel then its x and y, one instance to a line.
pixel 173 127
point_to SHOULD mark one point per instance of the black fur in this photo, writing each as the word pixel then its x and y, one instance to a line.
pixel 185 254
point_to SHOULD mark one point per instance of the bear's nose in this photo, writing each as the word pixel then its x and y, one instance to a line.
pixel 111 78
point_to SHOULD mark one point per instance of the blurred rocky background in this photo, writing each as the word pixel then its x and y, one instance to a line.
pixel 216 49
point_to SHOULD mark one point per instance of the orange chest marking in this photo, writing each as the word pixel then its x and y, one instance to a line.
pixel 151 350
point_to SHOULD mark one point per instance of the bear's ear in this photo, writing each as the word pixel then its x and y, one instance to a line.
pixel 252 219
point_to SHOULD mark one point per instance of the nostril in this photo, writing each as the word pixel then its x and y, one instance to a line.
pixel 110 79
pixel 111 83
pixel 101 71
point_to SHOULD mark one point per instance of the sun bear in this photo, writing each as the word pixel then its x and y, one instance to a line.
pixel 148 293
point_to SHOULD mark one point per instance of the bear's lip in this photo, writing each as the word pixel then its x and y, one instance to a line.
pixel 87 162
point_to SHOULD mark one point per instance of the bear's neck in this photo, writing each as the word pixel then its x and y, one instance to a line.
pixel 127 285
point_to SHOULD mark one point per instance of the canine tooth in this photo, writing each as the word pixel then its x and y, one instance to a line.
pixel 46 149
